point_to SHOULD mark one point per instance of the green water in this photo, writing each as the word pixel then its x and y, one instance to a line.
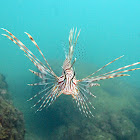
pixel 109 29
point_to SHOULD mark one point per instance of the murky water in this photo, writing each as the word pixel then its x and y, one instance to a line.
pixel 109 29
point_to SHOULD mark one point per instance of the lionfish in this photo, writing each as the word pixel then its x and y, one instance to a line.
pixel 67 83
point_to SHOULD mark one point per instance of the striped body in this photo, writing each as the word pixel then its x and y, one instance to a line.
pixel 67 83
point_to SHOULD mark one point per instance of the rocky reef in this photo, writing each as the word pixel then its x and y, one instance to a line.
pixel 11 120
pixel 106 125
pixel 116 117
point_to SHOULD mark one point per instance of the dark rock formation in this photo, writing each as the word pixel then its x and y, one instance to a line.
pixel 11 120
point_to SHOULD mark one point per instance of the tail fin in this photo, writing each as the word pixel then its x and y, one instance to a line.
pixel 72 42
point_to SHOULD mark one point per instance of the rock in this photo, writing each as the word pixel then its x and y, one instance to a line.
pixel 11 120
pixel 122 126
pixel 3 84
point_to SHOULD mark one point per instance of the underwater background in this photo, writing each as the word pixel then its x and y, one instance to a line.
pixel 109 29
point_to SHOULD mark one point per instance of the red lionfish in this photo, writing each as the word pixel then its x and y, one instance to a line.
pixel 67 83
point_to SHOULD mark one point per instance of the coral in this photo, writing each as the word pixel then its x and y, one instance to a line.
pixel 11 120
